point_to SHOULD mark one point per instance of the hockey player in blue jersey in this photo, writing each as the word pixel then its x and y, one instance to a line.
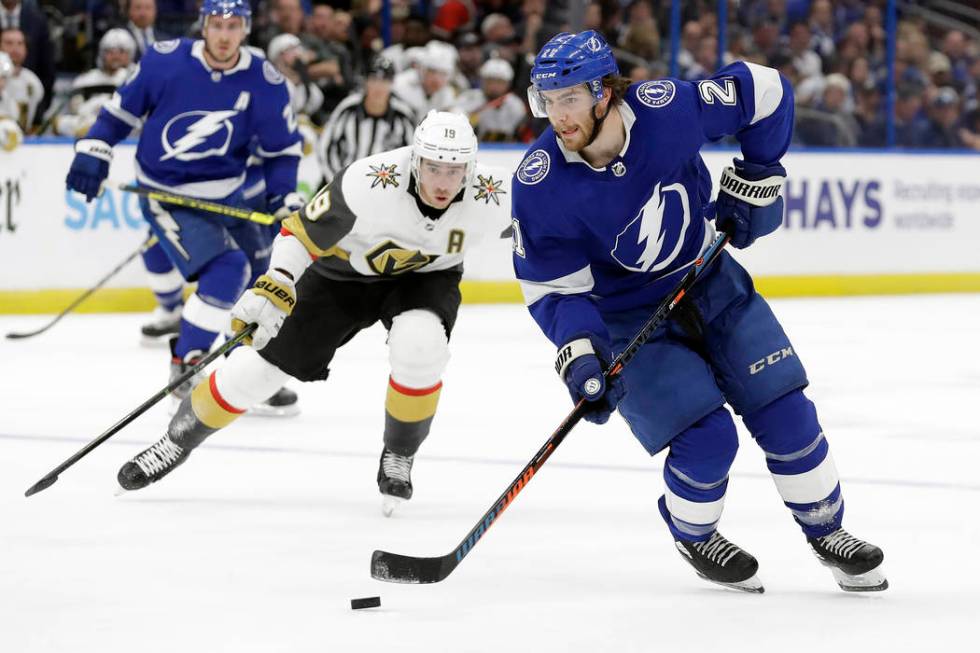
pixel 200 103
pixel 611 207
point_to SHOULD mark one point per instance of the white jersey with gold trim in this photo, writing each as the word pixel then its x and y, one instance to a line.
pixel 368 224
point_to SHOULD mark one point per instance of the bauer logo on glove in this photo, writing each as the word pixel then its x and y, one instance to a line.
pixel 266 286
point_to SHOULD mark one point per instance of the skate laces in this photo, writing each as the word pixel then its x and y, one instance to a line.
pixel 397 467
pixel 158 457
pixel 841 543
pixel 717 549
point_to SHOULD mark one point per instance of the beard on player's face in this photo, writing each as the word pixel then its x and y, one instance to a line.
pixel 575 131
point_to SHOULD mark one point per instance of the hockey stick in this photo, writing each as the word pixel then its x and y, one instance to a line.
pixel 396 568
pixel 52 477
pixel 203 205
pixel 88 293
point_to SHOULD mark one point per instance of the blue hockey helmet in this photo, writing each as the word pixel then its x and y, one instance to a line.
pixel 569 60
pixel 227 9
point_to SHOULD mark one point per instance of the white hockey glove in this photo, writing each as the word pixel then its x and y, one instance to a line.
pixel 266 304
pixel 282 206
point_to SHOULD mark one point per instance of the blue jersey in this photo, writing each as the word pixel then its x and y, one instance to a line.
pixel 589 241
pixel 197 123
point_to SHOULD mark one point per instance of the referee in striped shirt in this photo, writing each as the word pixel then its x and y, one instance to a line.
pixel 366 122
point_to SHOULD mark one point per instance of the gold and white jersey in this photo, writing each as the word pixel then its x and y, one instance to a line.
pixel 366 224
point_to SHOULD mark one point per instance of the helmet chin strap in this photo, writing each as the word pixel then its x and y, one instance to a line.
pixel 596 125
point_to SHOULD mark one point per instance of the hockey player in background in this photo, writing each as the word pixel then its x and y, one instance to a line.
pixel 199 104
pixel 10 132
pixel 495 112
pixel 611 208
pixel 389 235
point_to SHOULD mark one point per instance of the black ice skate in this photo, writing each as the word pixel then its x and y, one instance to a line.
pixel 162 325
pixel 856 564
pixel 394 480
pixel 722 562
pixel 284 403
pixel 152 464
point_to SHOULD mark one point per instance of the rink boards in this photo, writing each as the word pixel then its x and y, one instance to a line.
pixel 857 222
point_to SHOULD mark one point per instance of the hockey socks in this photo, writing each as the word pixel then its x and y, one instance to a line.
pixel 408 416
pixel 207 312
pixel 799 459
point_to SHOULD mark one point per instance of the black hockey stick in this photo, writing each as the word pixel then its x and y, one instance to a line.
pixel 396 568
pixel 88 293
pixel 52 477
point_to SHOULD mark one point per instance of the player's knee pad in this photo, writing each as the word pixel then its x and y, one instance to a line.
pixel 418 349
pixel 222 281
pixel 243 381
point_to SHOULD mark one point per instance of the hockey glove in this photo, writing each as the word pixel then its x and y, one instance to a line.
pixel 89 168
pixel 282 205
pixel 749 205
pixel 266 304
pixel 581 370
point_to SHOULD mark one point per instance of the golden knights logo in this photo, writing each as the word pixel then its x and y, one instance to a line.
pixel 488 188
pixel 390 258
pixel 384 175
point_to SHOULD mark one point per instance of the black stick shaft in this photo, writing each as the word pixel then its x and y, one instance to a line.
pixel 52 476
pixel 85 295
pixel 398 568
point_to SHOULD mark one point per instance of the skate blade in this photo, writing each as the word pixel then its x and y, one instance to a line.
pixel 265 410
pixel 389 503
pixel 751 585
pixel 870 581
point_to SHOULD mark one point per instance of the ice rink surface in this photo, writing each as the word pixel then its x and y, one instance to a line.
pixel 261 539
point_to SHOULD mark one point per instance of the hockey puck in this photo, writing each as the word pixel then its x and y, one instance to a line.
pixel 367 602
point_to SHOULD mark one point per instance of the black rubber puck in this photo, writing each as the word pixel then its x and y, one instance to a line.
pixel 367 602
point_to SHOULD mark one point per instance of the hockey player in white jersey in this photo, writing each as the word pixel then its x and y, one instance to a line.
pixel 94 88
pixel 496 113
pixel 388 236
pixel 10 132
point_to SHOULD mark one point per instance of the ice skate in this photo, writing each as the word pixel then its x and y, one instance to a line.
pixel 722 562
pixel 162 325
pixel 152 464
pixel 284 403
pixel 394 480
pixel 856 564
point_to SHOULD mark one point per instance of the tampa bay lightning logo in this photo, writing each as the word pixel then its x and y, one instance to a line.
pixel 166 47
pixel 656 94
pixel 534 168
pixel 653 239
pixel 197 135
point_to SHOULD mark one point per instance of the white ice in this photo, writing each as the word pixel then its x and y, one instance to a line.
pixel 259 542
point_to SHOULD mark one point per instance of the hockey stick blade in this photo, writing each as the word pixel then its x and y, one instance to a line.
pixel 43 484
pixel 396 568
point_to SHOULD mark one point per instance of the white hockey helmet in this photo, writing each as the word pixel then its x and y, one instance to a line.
pixel 6 66
pixel 445 137
pixel 117 39
pixel 282 43
pixel 497 69
pixel 439 56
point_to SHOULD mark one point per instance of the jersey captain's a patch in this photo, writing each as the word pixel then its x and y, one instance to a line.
pixel 488 188
pixel 390 258
pixel 534 168
pixel 384 175
pixel 656 94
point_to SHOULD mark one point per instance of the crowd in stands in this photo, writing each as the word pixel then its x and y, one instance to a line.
pixel 475 56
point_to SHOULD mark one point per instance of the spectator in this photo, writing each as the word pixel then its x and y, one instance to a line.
pixel 970 132
pixel 415 34
pixel 332 66
pixel 690 38
pixel 287 54
pixel 805 60
pixel 286 18
pixel 908 115
pixel 869 117
pixel 142 16
pixel 23 86
pixel 941 131
pixel 954 46
pixel 367 122
pixel 11 134
pixel 822 27
pixel 428 87
pixel 832 124
pixel 29 20
pixel 453 17
pixel 495 113
pixel 470 58
pixel 92 90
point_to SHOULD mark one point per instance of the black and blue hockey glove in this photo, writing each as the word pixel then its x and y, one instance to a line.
pixel 89 168
pixel 581 369
pixel 749 203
